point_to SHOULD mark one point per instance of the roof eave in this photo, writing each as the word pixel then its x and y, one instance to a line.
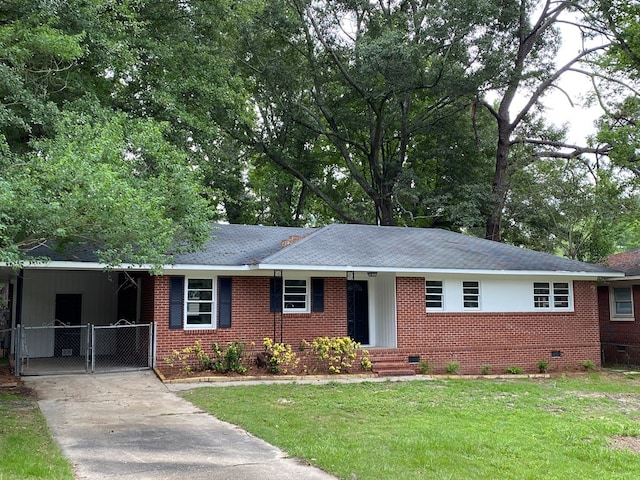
pixel 455 271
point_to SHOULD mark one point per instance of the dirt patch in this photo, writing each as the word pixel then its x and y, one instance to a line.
pixel 626 443
pixel 7 378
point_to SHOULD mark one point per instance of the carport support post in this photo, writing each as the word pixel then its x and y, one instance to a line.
pixel 17 343
pixel 152 344
pixel 91 341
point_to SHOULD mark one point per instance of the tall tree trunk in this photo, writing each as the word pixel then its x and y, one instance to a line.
pixel 385 209
pixel 500 184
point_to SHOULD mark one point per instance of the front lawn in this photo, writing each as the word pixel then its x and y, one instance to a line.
pixel 27 450
pixel 561 428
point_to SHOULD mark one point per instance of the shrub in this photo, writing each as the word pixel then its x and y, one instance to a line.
pixel 484 369
pixel 543 366
pixel 452 368
pixel 337 354
pixel 185 356
pixel 424 367
pixel 229 359
pixel 365 361
pixel 514 370
pixel 588 365
pixel 279 357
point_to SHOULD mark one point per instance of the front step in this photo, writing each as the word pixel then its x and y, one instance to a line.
pixel 391 368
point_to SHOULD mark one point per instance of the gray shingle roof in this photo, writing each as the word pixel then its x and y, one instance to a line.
pixel 236 245
pixel 359 247
pixel 417 248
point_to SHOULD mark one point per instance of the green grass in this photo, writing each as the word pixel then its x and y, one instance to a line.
pixel 27 450
pixel 454 429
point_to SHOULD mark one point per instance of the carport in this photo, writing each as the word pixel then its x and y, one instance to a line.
pixel 75 320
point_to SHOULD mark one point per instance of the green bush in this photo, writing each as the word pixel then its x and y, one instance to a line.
pixel 452 368
pixel 543 366
pixel 484 369
pixel 514 370
pixel 184 358
pixel 221 361
pixel 365 361
pixel 336 354
pixel 588 365
pixel 229 359
pixel 424 367
pixel 279 357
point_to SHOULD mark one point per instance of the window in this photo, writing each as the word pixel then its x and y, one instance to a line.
pixel 296 296
pixel 621 303
pixel 471 294
pixel 199 304
pixel 541 295
pixel 552 295
pixel 434 295
pixel 560 295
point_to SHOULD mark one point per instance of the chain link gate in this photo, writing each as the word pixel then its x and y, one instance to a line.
pixel 62 349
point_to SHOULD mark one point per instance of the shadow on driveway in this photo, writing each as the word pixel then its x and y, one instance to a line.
pixel 130 426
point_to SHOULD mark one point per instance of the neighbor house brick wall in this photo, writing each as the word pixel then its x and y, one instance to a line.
pixel 251 320
pixel 620 339
pixel 498 339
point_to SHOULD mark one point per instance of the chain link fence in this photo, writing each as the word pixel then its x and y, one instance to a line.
pixel 61 349
pixel 122 347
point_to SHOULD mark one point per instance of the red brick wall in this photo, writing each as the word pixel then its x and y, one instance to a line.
pixel 473 339
pixel 620 339
pixel 498 339
pixel 251 320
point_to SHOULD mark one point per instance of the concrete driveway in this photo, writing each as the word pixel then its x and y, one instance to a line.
pixel 130 426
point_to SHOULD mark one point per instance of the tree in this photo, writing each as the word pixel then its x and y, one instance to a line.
pixel 530 72
pixel 576 208
pixel 76 169
pixel 344 92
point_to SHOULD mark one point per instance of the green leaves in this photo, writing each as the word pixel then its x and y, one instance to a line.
pixel 109 182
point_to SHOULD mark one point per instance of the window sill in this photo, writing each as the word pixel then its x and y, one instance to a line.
pixel 622 319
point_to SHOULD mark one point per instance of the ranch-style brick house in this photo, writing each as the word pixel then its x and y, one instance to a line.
pixel 619 302
pixel 406 294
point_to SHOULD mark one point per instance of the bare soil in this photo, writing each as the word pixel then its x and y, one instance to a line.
pixel 7 378
pixel 626 443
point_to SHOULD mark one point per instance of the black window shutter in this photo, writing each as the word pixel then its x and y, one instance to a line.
pixel 317 294
pixel 275 288
pixel 176 301
pixel 224 302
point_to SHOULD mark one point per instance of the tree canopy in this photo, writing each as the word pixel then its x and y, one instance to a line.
pixel 131 124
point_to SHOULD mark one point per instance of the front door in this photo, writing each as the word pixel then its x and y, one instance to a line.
pixel 358 311
pixel 68 311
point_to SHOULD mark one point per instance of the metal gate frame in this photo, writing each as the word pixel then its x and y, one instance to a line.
pixel 21 348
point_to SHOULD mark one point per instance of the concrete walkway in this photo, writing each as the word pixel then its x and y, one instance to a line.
pixel 130 426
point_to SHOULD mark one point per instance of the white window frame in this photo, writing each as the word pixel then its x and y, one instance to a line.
pixel 194 301
pixel 294 292
pixel 433 293
pixel 613 314
pixel 552 296
pixel 466 294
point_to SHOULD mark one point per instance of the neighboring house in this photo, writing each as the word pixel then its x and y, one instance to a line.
pixel 619 302
pixel 407 294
